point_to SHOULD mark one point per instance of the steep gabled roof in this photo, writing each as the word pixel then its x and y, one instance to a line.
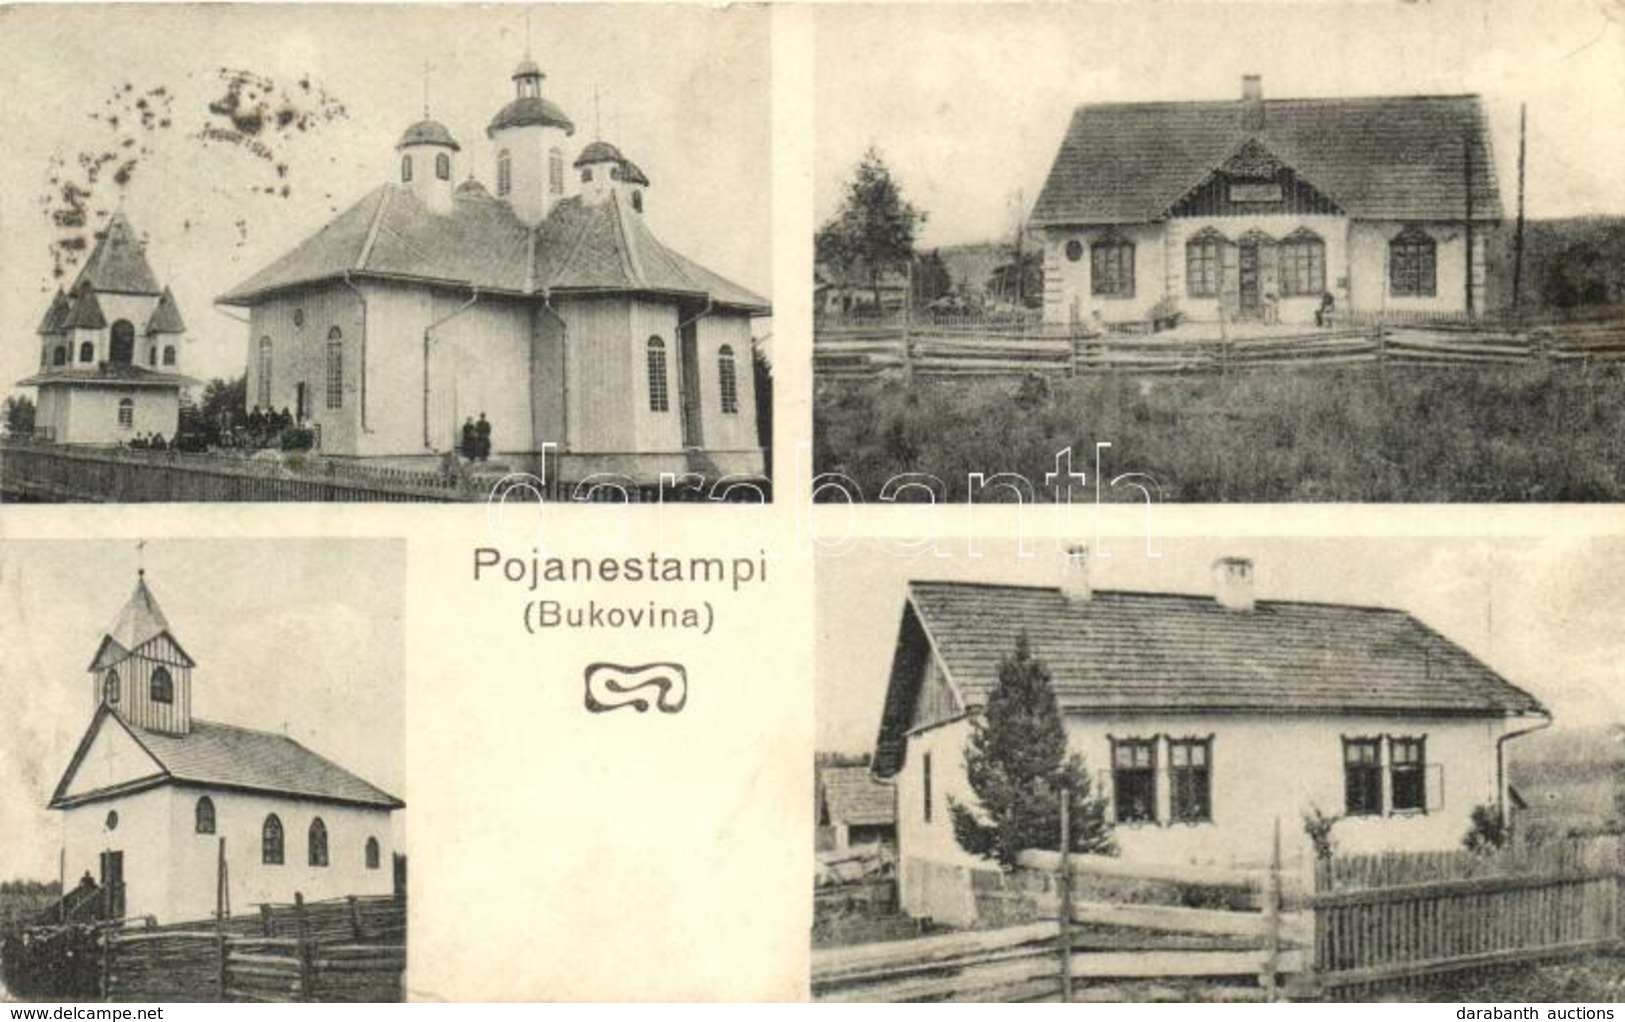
pixel 56 315
pixel 166 318
pixel 118 263
pixel 1400 158
pixel 1125 652
pixel 84 311
pixel 853 796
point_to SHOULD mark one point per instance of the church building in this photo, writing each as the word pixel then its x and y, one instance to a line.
pixel 154 796
pixel 111 350
pixel 540 300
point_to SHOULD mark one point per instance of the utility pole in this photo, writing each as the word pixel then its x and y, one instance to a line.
pixel 1467 179
pixel 1517 237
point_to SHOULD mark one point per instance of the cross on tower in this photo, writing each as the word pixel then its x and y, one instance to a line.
pixel 140 558
pixel 427 67
pixel 597 116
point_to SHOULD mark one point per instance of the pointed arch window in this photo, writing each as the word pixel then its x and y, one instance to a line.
pixel 263 383
pixel 504 172
pixel 271 841
pixel 637 201
pixel 372 853
pixel 555 172
pixel 728 380
pixel 203 816
pixel 163 686
pixel 87 352
pixel 59 357
pixel 335 368
pixel 169 354
pixel 406 170
pixel 126 412
pixel 152 356
pixel 442 166
pixel 318 842
pixel 1413 264
pixel 110 687
pixel 659 391
pixel 1303 264
pixel 1203 263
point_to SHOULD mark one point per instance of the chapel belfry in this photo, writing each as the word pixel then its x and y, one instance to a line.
pixel 529 134
pixel 139 671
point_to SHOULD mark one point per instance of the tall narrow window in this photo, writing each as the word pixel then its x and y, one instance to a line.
pixel 1303 264
pixel 504 173
pixel 59 356
pixel 335 368
pixel 1407 770
pixel 1362 776
pixel 1412 269
pixel 262 396
pixel 442 166
pixel 1189 777
pixel 126 412
pixel 318 842
pixel 87 351
pixel 110 688
pixel 1111 267
pixel 406 169
pixel 121 342
pixel 586 175
pixel 728 380
pixel 925 787
pixel 152 356
pixel 162 687
pixel 1202 261
pixel 555 172
pixel 372 853
pixel 1134 779
pixel 659 392
pixel 203 816
pixel 637 201
pixel 169 354
pixel 271 841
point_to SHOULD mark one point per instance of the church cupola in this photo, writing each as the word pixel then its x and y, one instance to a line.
pixel 426 151
pixel 600 166
pixel 529 135
pixel 140 672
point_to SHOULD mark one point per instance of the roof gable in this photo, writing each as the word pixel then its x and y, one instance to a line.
pixel 852 796
pixel 166 318
pixel 85 312
pixel 118 263
pixel 55 315
pixel 108 761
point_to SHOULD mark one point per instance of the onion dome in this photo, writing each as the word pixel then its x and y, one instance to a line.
pixel 599 152
pixel 527 69
pixel 632 174
pixel 472 189
pixel 428 132
pixel 529 110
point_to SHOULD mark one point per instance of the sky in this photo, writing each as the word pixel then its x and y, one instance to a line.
pixel 683 91
pixel 282 636
pixel 968 105
pixel 1544 613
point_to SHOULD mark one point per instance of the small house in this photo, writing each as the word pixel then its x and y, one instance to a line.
pixel 854 809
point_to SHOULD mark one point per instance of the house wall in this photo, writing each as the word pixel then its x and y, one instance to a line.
pixel 651 430
pixel 600 375
pixel 529 147
pixel 1332 230
pixel 1368 261
pixel 142 835
pixel 1067 284
pixel 299 355
pixel 480 361
pixel 89 415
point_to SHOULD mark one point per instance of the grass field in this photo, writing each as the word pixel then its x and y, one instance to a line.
pixel 1360 433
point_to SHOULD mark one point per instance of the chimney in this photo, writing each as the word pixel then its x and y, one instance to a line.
pixel 1075 574
pixel 1252 102
pixel 1233 583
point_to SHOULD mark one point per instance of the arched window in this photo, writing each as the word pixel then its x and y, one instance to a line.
pixel 122 349
pixel 1412 264
pixel 203 816
pixel 442 166
pixel 271 841
pixel 586 175
pixel 728 380
pixel 555 172
pixel 163 686
pixel 110 688
pixel 372 853
pixel 614 173
pixel 87 352
pixel 169 354
pixel 263 395
pixel 1111 267
pixel 59 357
pixel 335 368
pixel 659 393
pixel 637 201
pixel 126 412
pixel 1203 255
pixel 504 173
pixel 406 169
pixel 1303 264
pixel 152 356
pixel 318 842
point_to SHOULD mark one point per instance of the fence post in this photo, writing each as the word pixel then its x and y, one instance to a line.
pixel 107 963
pixel 355 917
pixel 302 929
pixel 267 922
pixel 1066 896
pixel 1272 920
pixel 220 916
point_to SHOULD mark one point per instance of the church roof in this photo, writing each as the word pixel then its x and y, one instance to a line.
pixel 118 263
pixel 599 152
pixel 580 247
pixel 84 311
pixel 631 173
pixel 166 318
pixel 103 374
pixel 472 189
pixel 528 69
pixel 428 132
pixel 55 315
pixel 141 619
pixel 529 110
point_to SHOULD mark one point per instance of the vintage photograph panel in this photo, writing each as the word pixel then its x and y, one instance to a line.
pixel 1306 769
pixel 204 770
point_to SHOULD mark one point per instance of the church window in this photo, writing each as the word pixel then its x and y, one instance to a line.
pixel 442 166
pixel 169 354
pixel 586 175
pixel 110 688
pixel 1202 264
pixel 728 379
pixel 637 201
pixel 318 842
pixel 1111 267
pixel 152 356
pixel 298 318
pixel 126 412
pixel 271 841
pixel 122 348
pixel 87 352
pixel 1412 264
pixel 555 172
pixel 406 169
pixel 372 853
pixel 163 686
pixel 335 368
pixel 263 390
pixel 659 392
pixel 59 357
pixel 1303 264
pixel 504 173
pixel 203 815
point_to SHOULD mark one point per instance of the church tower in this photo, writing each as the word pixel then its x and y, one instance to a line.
pixel 427 154
pixel 529 136
pixel 140 672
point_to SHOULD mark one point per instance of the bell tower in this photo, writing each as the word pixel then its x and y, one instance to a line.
pixel 528 135
pixel 139 671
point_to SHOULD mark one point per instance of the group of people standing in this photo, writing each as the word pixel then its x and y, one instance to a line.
pixel 475 444
pixel 265 426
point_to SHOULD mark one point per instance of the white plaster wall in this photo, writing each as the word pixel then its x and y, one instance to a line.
pixel 1071 280
pixel 727 432
pixel 654 431
pixel 482 363
pixel 528 148
pixel 113 758
pixel 1368 256
pixel 142 835
pixel 1332 230
pixel 89 415
pixel 299 354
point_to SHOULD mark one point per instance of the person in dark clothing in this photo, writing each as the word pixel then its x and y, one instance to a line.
pixel 482 439
pixel 157 442
pixel 465 446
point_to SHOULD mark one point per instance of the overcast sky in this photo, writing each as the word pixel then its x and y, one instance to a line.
pixel 282 635
pixel 1544 613
pixel 683 91
pixel 968 104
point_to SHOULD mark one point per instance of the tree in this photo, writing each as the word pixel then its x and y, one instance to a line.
pixel 1018 764
pixel 225 403
pixel 19 415
pixel 874 229
pixel 931 279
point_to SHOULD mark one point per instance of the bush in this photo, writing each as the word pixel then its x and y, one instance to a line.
pixel 1488 831
pixel 297 438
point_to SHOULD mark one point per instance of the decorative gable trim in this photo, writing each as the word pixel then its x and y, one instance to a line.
pixel 163 649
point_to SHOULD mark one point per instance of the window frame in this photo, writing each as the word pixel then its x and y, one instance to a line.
pixel 728 380
pixel 203 815
pixel 316 842
pixel 1204 264
pixel 273 847
pixel 1413 264
pixel 1369 774
pixel 335 368
pixel 59 355
pixel 110 687
pixel 126 413
pixel 504 172
pixel 262 386
pixel 1145 773
pixel 1184 778
pixel 1111 267
pixel 406 168
pixel 1413 771
pixel 926 799
pixel 555 172
pixel 442 166
pixel 87 351
pixel 161 686
pixel 656 375
pixel 373 853
pixel 1301 253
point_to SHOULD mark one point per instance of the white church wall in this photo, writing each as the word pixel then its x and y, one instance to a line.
pixel 113 758
pixel 728 433
pixel 652 430
pixel 142 834
pixel 299 326
pixel 482 364
pixel 90 415
pixel 396 319
pixel 602 381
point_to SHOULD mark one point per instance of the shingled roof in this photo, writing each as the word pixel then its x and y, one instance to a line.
pixel 852 796
pixel 118 263
pixel 1172 653
pixel 84 311
pixel 580 247
pixel 1398 158
pixel 56 315
pixel 101 373
pixel 166 317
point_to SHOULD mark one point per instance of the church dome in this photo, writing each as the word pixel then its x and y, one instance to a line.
pixel 527 69
pixel 428 132
pixel 599 152
pixel 633 174
pixel 528 110
pixel 472 189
